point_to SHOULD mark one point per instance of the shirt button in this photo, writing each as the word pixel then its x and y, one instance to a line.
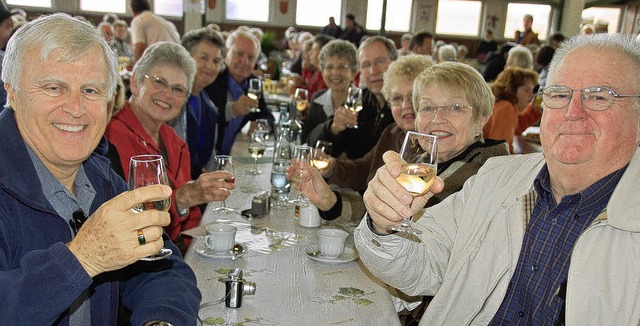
pixel 521 313
pixel 534 268
pixel 554 221
pixel 375 242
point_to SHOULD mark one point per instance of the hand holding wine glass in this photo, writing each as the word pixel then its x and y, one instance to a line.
pixel 254 91
pixel 419 154
pixel 146 170
pixel 321 154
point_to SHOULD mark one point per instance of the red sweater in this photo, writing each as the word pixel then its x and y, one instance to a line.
pixel 129 137
pixel 505 121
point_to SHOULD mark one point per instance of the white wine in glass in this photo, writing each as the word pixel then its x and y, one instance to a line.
pixel 256 149
pixel 301 97
pixel 419 154
pixel 146 170
pixel 224 163
pixel 321 154
pixel 254 91
pixel 354 102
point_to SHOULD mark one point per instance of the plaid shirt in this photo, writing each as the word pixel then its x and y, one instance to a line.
pixel 537 290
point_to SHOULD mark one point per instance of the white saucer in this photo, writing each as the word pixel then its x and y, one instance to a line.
pixel 204 251
pixel 347 255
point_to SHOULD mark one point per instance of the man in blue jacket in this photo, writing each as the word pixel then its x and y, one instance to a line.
pixel 56 266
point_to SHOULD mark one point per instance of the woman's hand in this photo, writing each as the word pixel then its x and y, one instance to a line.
pixel 210 186
pixel 341 119
pixel 315 188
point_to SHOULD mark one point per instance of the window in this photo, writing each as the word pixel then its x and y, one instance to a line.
pixel 452 13
pixel 515 12
pixel 168 8
pixel 30 3
pixel 114 6
pixel 602 15
pixel 250 10
pixel 398 15
pixel 317 13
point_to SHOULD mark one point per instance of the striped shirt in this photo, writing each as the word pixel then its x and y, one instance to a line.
pixel 536 293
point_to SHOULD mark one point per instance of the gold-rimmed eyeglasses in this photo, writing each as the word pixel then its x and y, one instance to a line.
pixel 595 98
pixel 161 83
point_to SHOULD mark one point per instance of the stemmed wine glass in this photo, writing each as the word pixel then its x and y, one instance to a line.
pixel 301 157
pixel 254 91
pixel 419 155
pixel 321 154
pixel 301 97
pixel 146 170
pixel 279 183
pixel 256 148
pixel 262 125
pixel 224 163
pixel 354 102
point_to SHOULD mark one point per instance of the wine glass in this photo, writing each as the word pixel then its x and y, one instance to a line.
pixel 301 157
pixel 301 96
pixel 419 154
pixel 354 102
pixel 321 154
pixel 224 163
pixel 254 91
pixel 262 125
pixel 145 170
pixel 256 148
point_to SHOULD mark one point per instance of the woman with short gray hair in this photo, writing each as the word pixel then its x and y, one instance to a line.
pixel 161 82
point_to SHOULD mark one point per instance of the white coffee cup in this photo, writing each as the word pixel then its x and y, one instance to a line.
pixel 220 237
pixel 309 216
pixel 332 242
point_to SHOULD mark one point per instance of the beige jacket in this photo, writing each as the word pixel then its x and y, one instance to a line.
pixel 471 242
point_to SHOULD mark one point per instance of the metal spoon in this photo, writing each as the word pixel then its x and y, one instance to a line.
pixel 237 249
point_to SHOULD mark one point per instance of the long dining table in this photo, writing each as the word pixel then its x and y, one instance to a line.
pixel 294 286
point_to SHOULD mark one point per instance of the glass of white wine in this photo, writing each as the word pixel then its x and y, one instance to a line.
pixel 224 163
pixel 146 170
pixel 301 97
pixel 321 154
pixel 254 91
pixel 256 148
pixel 354 102
pixel 419 154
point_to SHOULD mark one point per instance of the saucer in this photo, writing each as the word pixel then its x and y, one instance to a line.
pixel 347 255
pixel 201 249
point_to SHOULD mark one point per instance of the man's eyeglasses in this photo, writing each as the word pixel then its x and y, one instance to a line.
pixel 398 99
pixel 77 220
pixel 451 110
pixel 595 98
pixel 161 83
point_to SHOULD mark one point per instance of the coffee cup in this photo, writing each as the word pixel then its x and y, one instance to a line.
pixel 332 242
pixel 309 217
pixel 220 238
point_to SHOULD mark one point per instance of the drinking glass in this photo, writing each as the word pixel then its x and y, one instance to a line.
pixel 301 158
pixel 301 97
pixel 256 148
pixel 146 170
pixel 321 154
pixel 255 91
pixel 224 163
pixel 262 125
pixel 354 102
pixel 419 155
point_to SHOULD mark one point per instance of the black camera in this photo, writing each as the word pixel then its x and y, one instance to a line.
pixel 236 287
